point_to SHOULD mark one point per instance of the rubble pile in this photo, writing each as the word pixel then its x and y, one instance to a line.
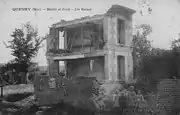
pixel 107 101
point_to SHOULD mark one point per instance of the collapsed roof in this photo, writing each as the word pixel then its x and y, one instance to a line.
pixel 114 8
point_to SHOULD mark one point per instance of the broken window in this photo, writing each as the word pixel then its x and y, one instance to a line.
pixel 94 35
pixel 61 39
pixel 74 37
pixel 62 67
pixel 91 64
pixel 121 31
pixel 87 35
pixel 121 67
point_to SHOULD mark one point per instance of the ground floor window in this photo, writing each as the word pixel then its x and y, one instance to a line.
pixel 121 67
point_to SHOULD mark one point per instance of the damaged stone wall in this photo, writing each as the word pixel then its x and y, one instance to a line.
pixel 53 43
pixel 111 22
pixel 112 31
pixel 74 37
pixel 111 66
pixel 129 66
pixel 81 67
pixel 88 38
pixel 111 35
pixel 98 69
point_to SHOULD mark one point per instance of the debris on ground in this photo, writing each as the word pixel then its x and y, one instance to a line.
pixel 25 103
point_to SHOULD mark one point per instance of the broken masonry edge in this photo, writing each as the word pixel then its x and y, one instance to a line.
pixel 64 23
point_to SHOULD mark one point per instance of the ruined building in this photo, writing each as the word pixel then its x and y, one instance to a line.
pixel 94 47
pixel 99 46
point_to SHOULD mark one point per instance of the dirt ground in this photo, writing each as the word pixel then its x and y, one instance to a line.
pixel 18 105
pixel 57 109
pixel 18 100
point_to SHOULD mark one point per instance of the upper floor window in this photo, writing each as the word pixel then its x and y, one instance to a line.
pixel 121 31
pixel 61 39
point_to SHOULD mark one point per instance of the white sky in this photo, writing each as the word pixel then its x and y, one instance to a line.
pixel 164 18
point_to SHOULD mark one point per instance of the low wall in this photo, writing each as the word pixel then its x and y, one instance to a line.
pixel 21 88
pixel 169 93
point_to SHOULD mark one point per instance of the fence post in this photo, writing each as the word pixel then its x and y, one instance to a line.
pixel 1 79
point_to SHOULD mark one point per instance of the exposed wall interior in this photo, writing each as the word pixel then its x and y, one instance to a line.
pixel 98 68
pixel 89 35
pixel 79 67
pixel 88 67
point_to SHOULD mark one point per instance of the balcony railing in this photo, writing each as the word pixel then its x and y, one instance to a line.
pixel 65 52
pixel 59 51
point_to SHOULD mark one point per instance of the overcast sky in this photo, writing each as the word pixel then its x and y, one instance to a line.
pixel 165 18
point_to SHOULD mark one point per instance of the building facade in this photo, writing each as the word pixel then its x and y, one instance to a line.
pixel 99 46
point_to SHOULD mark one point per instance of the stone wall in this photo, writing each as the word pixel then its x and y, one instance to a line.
pixel 169 93
pixel 115 49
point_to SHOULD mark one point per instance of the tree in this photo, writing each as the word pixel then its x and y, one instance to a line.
pixel 141 45
pixel 160 64
pixel 24 46
pixel 175 45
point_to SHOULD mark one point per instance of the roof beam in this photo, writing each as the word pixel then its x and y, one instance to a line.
pixel 68 57
pixel 78 21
